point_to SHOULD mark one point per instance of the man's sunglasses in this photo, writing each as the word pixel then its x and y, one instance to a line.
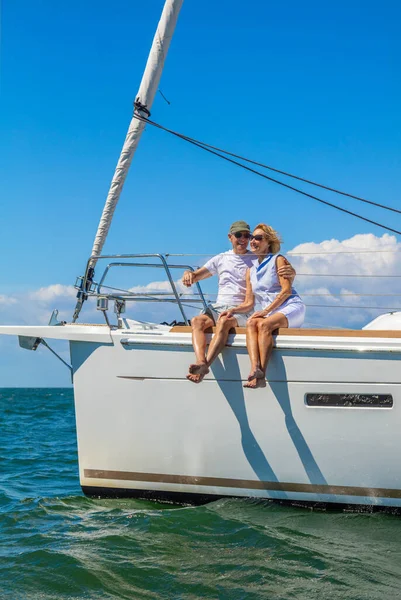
pixel 240 234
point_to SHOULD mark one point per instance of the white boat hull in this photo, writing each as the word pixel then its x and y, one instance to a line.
pixel 143 429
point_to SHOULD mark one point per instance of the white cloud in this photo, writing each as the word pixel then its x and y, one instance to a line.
pixel 7 299
pixel 163 311
pixel 35 306
pixel 158 286
pixel 360 272
pixel 52 293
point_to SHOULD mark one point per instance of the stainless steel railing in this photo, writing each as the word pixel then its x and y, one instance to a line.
pixel 87 287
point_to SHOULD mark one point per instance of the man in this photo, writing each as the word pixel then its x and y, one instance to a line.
pixel 231 268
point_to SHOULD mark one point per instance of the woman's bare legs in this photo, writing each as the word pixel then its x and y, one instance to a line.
pixel 253 346
pixel 266 337
pixel 265 328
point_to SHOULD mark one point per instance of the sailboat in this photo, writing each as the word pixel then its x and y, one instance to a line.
pixel 325 429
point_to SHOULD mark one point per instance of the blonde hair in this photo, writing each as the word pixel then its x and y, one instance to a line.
pixel 272 237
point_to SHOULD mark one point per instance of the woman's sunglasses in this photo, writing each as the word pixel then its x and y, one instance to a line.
pixel 240 234
pixel 257 238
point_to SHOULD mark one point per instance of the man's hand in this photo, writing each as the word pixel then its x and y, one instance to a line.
pixel 287 271
pixel 188 278
pixel 226 313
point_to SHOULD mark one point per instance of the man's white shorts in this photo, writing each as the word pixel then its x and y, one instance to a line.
pixel 215 310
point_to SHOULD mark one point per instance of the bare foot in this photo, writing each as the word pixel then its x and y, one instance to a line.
pixel 256 374
pixel 251 383
pixel 199 369
pixel 256 380
pixel 195 377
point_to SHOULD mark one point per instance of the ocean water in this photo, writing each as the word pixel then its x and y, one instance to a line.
pixel 55 543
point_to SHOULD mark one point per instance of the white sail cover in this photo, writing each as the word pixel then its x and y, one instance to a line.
pixel 146 94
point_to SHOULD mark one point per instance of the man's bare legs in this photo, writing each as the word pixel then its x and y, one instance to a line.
pixel 199 325
pixel 198 370
pixel 224 324
pixel 260 346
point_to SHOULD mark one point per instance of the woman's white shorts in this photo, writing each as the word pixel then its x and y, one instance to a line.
pixel 294 311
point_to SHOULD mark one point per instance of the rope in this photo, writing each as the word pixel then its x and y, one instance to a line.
pixel 209 149
pixel 310 182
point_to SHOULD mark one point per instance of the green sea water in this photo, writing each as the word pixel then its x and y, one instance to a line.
pixel 55 543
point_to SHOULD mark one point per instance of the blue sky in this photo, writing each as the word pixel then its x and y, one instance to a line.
pixel 313 88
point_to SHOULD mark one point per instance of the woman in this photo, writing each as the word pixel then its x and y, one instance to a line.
pixel 281 305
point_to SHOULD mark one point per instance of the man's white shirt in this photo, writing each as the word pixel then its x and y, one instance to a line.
pixel 231 270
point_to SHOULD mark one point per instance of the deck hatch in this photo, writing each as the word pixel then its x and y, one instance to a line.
pixel 350 400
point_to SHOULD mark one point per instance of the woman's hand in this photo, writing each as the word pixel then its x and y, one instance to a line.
pixel 188 278
pixel 259 314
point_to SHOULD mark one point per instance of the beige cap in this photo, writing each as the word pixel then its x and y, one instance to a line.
pixel 239 226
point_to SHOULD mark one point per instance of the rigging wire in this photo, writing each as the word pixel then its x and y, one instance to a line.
pixel 185 301
pixel 356 307
pixel 162 295
pixel 348 275
pixel 286 174
pixel 291 253
pixel 327 295
pixel 286 185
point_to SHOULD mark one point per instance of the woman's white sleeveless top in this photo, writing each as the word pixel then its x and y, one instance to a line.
pixel 266 285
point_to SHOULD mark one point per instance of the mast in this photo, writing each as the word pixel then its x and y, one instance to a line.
pixel 143 104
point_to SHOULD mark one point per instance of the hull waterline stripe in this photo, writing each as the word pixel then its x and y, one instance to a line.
pixel 249 484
